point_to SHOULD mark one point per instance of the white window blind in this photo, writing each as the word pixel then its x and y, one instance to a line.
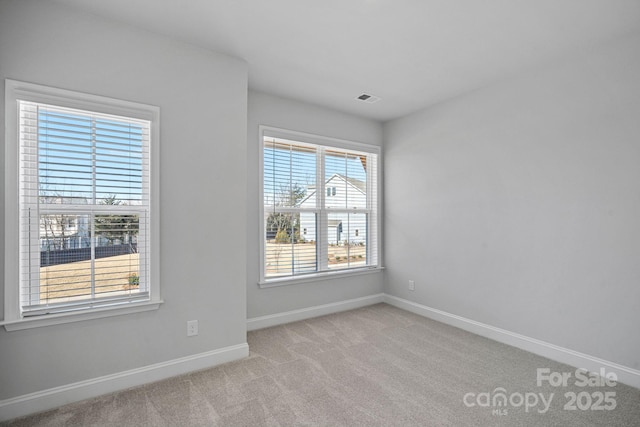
pixel 320 207
pixel 84 209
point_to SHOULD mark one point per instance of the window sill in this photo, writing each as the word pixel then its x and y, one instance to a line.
pixel 78 316
pixel 315 277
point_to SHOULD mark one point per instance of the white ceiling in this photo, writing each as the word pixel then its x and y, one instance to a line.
pixel 411 53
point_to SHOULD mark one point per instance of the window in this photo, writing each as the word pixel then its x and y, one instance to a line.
pixel 328 189
pixel 84 207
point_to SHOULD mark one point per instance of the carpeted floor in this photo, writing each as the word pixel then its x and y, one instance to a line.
pixel 375 366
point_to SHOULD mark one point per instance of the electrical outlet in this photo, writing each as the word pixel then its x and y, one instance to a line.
pixel 192 328
pixel 412 285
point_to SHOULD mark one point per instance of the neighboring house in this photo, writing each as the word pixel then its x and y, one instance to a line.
pixel 70 231
pixel 63 231
pixel 341 193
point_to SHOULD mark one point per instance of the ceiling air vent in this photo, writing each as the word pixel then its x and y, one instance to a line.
pixel 370 99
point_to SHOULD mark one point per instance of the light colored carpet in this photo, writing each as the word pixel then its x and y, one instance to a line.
pixel 375 366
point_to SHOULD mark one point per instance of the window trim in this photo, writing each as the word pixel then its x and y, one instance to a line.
pixel 313 139
pixel 17 90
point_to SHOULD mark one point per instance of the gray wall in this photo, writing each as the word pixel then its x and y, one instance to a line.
pixel 283 113
pixel 518 205
pixel 202 97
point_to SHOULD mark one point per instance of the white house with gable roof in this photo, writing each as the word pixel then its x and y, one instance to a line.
pixel 342 193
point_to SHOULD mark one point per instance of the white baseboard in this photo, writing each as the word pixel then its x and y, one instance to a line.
pixel 307 313
pixel 58 396
pixel 576 359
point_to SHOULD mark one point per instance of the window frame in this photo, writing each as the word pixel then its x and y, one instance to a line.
pixel 21 91
pixel 374 208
